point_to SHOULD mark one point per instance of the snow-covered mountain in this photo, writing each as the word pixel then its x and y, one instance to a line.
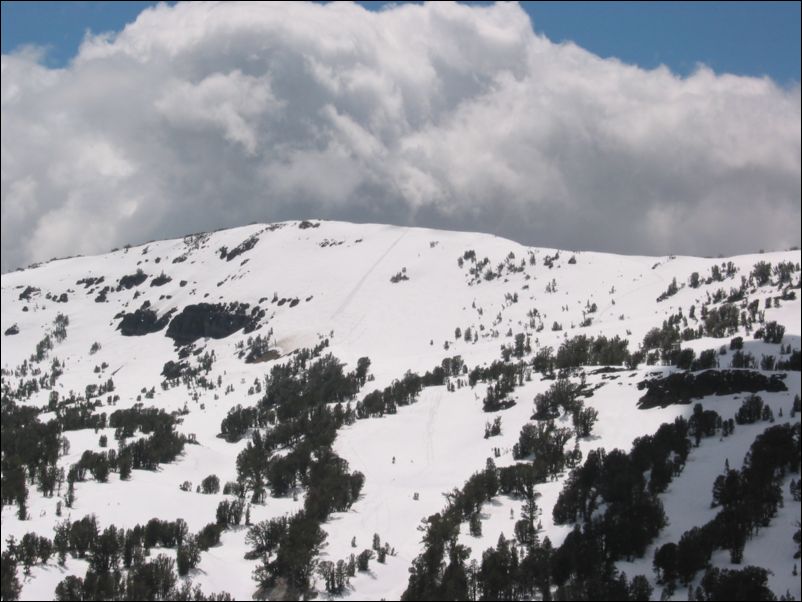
pixel 194 326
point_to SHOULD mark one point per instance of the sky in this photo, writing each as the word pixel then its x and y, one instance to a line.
pixel 647 128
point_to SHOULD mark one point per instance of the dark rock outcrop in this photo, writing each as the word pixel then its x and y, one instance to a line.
pixel 90 281
pixel 102 295
pixel 160 280
pixel 216 321
pixel 12 330
pixel 141 322
pixel 172 370
pixel 131 280
pixel 26 294
pixel 246 245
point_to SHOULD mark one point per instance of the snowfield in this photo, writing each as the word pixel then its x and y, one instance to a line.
pixel 329 280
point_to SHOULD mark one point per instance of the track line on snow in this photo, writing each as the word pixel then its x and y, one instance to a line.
pixel 608 309
pixel 435 406
pixel 352 293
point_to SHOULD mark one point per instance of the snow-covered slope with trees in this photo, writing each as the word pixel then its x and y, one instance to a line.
pixel 484 357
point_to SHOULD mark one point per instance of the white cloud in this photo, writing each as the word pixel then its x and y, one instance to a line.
pixel 230 102
pixel 206 115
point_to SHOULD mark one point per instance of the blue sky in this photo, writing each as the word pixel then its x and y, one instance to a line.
pixel 746 38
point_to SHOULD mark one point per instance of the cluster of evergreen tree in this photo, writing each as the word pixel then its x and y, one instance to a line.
pixel 294 388
pixel 246 245
pixel 302 407
pixel 118 569
pixel 502 377
pixel 163 445
pixel 615 481
pixel 582 350
pixel 497 370
pixel 39 379
pixel 564 397
pixel 753 410
pixel 761 273
pixel 706 423
pixel 237 422
pixel 482 270
pixel 152 580
pixel 520 569
pixel 316 392
pixel 30 452
pixel 664 340
pixel 583 568
pixel 772 332
pixel 287 548
pixel 230 513
pixel 748 583
pixel 725 319
pixel 400 393
pixel 743 360
pixel 191 376
pixel 404 391
pixel 673 288
pixel 793 362
pixel 148 420
pixel 337 576
pixel 748 499
pixel 544 443
pixel 721 321
pixel 682 387
pixel 717 322
pixel 560 397
pixel 522 346
pixel 79 415
pixel 493 429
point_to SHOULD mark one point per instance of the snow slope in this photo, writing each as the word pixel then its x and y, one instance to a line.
pixel 340 275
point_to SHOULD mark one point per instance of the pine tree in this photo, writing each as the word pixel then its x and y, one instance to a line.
pixel 10 586
pixel 475 525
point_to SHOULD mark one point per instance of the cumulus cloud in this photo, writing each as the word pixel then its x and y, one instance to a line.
pixel 207 115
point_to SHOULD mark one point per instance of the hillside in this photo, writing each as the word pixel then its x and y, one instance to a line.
pixel 194 326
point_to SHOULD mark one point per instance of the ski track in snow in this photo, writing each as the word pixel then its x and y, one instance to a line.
pixel 352 293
